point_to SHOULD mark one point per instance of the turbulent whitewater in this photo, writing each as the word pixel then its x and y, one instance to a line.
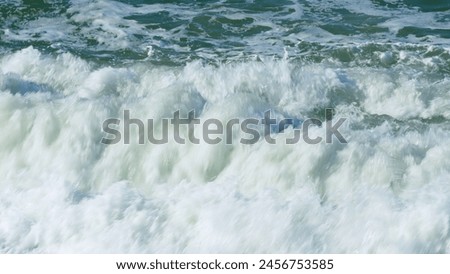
pixel 66 66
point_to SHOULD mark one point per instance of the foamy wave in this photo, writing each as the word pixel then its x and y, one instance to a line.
pixel 64 191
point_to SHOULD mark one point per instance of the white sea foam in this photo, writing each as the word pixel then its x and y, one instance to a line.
pixel 63 191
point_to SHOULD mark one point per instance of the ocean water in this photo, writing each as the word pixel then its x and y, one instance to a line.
pixel 66 66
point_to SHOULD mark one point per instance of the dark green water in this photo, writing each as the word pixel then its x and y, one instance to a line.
pixel 179 31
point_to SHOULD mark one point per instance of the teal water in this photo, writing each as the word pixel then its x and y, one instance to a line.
pixel 180 31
